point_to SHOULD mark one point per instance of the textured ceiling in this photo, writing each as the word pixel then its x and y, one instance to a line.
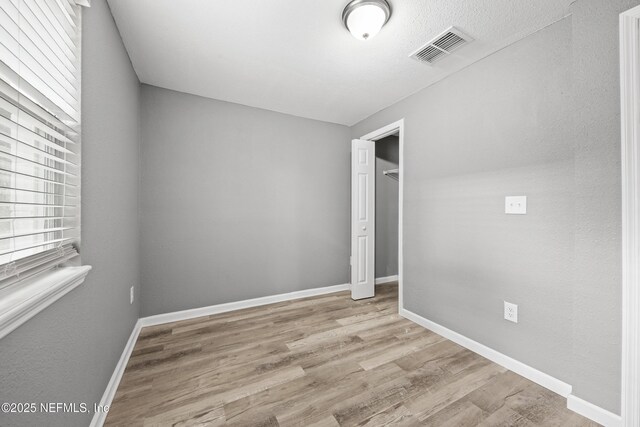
pixel 295 57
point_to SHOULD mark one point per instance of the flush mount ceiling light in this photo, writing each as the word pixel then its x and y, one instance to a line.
pixel 365 18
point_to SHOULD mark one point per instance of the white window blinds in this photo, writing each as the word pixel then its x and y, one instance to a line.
pixel 39 135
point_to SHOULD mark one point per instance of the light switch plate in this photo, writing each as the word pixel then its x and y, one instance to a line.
pixel 515 205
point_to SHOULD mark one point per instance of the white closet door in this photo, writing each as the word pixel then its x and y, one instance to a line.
pixel 363 192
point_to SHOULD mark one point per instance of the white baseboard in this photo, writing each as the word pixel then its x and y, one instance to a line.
pixel 388 279
pixel 112 387
pixel 99 418
pixel 574 403
pixel 593 412
pixel 545 380
pixel 582 407
pixel 159 319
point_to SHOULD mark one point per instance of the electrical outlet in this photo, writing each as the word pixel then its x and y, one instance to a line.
pixel 511 312
pixel 131 295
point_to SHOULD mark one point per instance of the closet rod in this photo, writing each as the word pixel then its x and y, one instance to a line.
pixel 393 174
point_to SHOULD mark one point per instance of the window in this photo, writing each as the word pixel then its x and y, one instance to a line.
pixel 39 136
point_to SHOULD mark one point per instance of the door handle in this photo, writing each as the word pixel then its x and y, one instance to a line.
pixel 364 228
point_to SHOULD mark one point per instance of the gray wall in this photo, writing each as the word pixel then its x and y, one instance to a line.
pixel 539 118
pixel 238 202
pixel 597 286
pixel 68 352
pixel 387 156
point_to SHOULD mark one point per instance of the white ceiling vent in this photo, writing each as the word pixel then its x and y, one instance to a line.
pixel 441 46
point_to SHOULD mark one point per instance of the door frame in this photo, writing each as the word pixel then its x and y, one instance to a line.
pixel 390 129
pixel 630 135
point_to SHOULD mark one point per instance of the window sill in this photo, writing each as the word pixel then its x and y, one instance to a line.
pixel 20 302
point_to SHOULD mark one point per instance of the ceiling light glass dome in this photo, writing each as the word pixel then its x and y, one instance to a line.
pixel 365 18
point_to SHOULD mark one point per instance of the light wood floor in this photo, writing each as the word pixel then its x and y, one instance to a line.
pixel 321 361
